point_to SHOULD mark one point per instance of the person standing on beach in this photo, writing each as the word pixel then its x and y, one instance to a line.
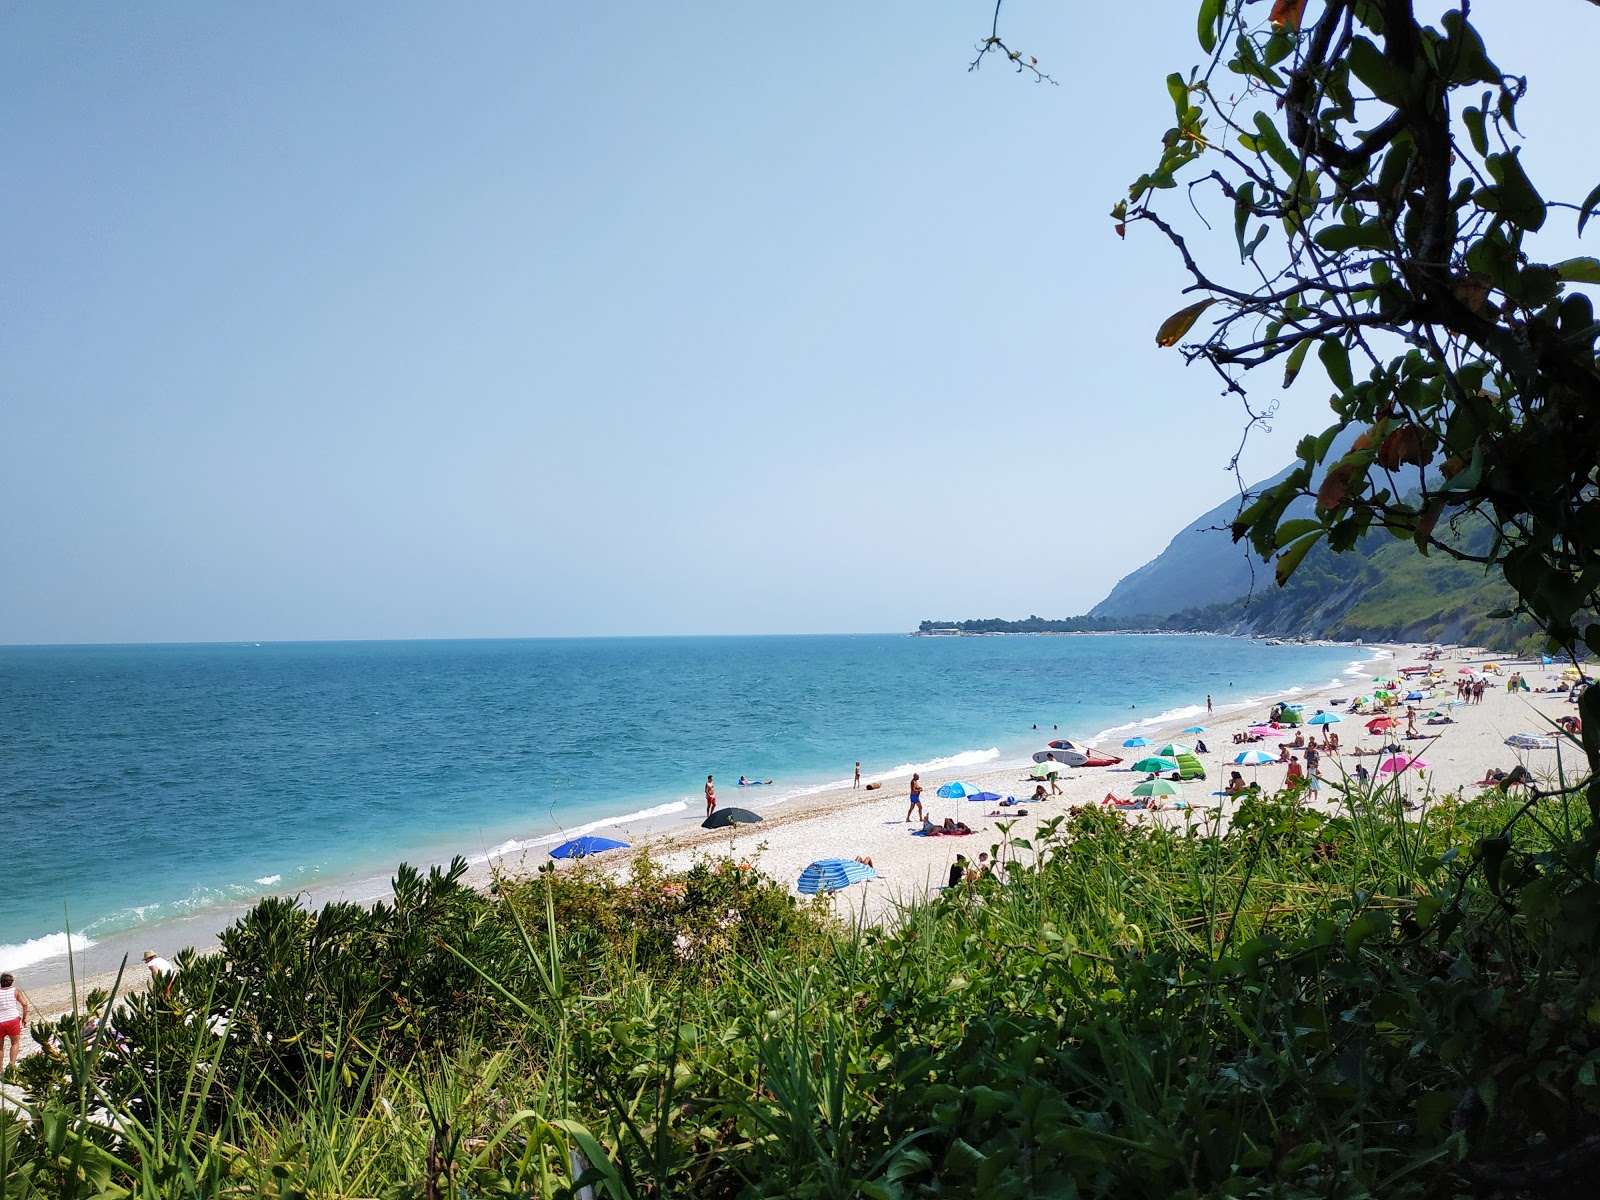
pixel 916 798
pixel 857 783
pixel 1208 702
pixel 13 1018
pixel 711 796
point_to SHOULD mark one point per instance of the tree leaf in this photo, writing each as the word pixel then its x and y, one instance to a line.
pixel 1336 362
pixel 1371 236
pixel 1472 118
pixel 1290 558
pixel 1286 14
pixel 1298 528
pixel 1579 270
pixel 1297 356
pixel 1209 24
pixel 1587 209
pixel 1179 323
pixel 1518 201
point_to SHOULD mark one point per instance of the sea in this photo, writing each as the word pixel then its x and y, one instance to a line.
pixel 149 794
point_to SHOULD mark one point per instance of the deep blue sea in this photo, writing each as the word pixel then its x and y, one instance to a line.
pixel 145 787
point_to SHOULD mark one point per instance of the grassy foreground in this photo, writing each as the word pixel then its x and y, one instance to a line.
pixel 1306 1006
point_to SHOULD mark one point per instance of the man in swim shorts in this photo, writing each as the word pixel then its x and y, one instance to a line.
pixel 711 796
pixel 916 798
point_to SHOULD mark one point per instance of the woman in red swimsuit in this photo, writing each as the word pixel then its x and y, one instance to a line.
pixel 13 1016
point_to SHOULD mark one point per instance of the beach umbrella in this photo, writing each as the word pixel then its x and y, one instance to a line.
pixel 1156 764
pixel 832 875
pixel 1263 730
pixel 1158 787
pixel 1416 695
pixel 1530 741
pixel 1048 770
pixel 1325 718
pixel 1253 758
pixel 1378 723
pixel 582 847
pixel 1173 749
pixel 1464 671
pixel 1399 763
pixel 956 790
pixel 724 817
pixel 1137 741
pixel 983 797
pixel 1195 729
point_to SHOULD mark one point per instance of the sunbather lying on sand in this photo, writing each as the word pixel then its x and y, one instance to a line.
pixel 1495 777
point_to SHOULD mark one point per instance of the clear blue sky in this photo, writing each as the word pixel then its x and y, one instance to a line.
pixel 325 321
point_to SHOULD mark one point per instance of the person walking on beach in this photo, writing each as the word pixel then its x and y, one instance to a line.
pixel 857 783
pixel 1208 702
pixel 711 796
pixel 13 1018
pixel 916 799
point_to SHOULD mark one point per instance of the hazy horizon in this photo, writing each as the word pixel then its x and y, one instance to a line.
pixel 414 323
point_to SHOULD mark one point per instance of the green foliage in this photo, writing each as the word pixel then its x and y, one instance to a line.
pixel 1396 224
pixel 1297 1006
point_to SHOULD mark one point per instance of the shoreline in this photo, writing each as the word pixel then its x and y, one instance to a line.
pixel 842 821
pixel 672 822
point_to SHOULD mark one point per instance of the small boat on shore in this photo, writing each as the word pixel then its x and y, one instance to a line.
pixel 1076 757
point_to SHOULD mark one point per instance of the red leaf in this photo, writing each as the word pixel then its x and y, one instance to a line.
pixel 1287 13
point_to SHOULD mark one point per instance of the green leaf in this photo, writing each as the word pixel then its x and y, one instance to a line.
pixel 1464 56
pixel 1269 140
pixel 1289 558
pixel 1290 530
pixel 1517 199
pixel 1244 201
pixel 1579 270
pixel 1473 119
pixel 1179 91
pixel 1210 24
pixel 1587 209
pixel 1297 356
pixel 1336 362
pixel 1338 238
pixel 1369 65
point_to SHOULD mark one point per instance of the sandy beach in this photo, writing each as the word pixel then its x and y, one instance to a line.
pixel 844 822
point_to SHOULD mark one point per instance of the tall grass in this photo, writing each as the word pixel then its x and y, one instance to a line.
pixel 1294 1005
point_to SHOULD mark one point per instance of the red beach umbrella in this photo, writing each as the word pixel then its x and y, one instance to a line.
pixel 1378 723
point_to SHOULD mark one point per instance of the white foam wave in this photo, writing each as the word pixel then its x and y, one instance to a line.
pixel 40 949
pixel 518 845
pixel 967 758
pixel 269 880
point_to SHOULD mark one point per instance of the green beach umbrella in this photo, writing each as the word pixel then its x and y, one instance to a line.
pixel 1156 764
pixel 1158 787
pixel 1175 749
pixel 1048 770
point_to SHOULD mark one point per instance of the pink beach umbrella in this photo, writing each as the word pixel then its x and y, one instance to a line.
pixel 1263 730
pixel 1400 762
pixel 1464 671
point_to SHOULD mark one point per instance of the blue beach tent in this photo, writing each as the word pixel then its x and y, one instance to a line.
pixel 584 846
pixel 832 875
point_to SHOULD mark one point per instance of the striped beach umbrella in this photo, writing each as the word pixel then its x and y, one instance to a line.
pixel 828 875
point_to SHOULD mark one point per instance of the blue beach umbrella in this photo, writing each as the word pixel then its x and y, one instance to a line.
pixel 983 797
pixel 1137 741
pixel 1325 719
pixel 1253 758
pixel 1195 729
pixel 584 846
pixel 832 875
pixel 955 790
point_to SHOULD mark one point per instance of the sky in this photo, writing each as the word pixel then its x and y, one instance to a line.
pixel 422 320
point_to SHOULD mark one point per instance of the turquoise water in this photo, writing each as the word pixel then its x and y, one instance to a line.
pixel 142 785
